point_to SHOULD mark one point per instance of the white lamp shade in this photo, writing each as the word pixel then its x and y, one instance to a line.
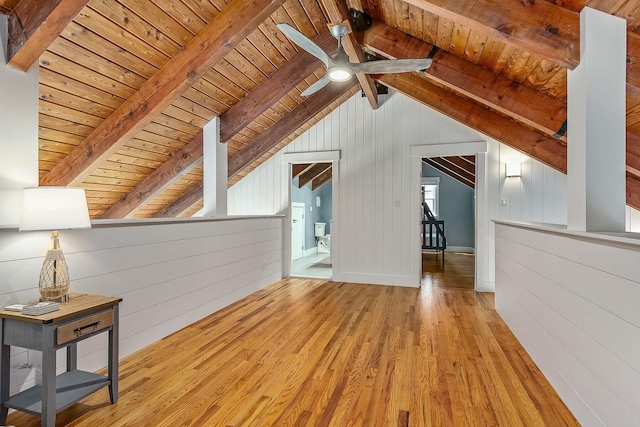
pixel 512 169
pixel 54 208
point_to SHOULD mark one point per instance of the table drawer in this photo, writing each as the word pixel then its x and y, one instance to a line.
pixel 85 326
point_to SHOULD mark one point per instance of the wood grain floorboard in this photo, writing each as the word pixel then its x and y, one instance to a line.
pixel 305 352
pixel 458 271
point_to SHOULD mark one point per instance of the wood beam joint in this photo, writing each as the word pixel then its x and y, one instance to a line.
pixel 292 73
pixel 497 92
pixel 545 149
pixel 311 106
pixel 33 25
pixel 338 14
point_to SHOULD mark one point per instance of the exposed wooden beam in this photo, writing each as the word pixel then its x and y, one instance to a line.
pixel 236 118
pixel 313 172
pixel 297 169
pixel 321 179
pixel 338 13
pixel 539 27
pixel 470 160
pixel 633 150
pixel 470 168
pixel 633 165
pixel 209 46
pixel 287 125
pixel 439 164
pixel 449 164
pixel 547 150
pixel 524 104
pixel 184 202
pixel 34 25
pixel 633 171
pixel 265 142
pixel 633 64
pixel 180 164
pixel 301 66
pixel 633 48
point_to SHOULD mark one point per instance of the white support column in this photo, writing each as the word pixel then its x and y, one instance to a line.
pixel 18 133
pixel 596 187
pixel 215 171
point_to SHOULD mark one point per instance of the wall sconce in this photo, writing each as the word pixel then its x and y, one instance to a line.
pixel 318 201
pixel 512 169
pixel 53 209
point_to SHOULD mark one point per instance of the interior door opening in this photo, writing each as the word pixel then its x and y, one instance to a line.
pixel 447 228
pixel 311 206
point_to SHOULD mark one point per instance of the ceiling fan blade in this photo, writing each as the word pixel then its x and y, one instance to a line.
pixel 304 42
pixel 392 66
pixel 316 86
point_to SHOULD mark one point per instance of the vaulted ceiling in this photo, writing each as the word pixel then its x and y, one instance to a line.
pixel 127 85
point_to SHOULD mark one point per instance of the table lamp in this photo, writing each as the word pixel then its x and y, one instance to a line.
pixel 53 209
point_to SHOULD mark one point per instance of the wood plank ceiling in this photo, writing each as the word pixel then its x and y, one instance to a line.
pixel 127 85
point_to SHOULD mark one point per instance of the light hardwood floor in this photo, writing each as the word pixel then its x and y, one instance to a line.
pixel 457 272
pixel 307 352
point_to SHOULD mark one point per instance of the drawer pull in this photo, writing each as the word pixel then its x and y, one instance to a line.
pixel 81 328
pixel 93 326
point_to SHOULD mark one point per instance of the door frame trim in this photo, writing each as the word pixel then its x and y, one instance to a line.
pixel 482 241
pixel 327 156
pixel 304 231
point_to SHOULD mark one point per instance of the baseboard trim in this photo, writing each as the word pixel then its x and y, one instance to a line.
pixel 482 286
pixel 374 279
pixel 465 249
pixel 310 251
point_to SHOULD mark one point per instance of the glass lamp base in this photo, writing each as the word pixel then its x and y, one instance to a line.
pixel 54 276
pixel 63 298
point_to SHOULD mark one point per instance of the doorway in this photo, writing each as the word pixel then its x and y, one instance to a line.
pixel 448 221
pixel 483 236
pixel 311 220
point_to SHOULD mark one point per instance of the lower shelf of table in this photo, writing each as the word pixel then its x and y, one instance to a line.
pixel 71 387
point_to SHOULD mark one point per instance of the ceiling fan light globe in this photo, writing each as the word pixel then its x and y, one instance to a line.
pixel 339 74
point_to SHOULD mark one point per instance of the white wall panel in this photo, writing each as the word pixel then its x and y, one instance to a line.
pixel 169 275
pixel 375 184
pixel 633 220
pixel 539 195
pixel 18 133
pixel 570 298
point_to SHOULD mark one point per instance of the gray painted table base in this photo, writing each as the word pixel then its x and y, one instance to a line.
pixel 82 317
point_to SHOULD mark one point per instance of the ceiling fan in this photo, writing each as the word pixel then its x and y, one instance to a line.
pixel 339 68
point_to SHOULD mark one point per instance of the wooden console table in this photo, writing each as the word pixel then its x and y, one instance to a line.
pixel 81 317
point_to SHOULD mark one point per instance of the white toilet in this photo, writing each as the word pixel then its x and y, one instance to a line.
pixel 324 240
pixel 324 244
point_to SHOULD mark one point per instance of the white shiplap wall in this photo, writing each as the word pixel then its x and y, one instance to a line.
pixel 539 195
pixel 571 300
pixel 373 205
pixel 169 276
pixel 633 220
pixel 371 212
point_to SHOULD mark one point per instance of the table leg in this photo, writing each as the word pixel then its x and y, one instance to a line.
pixel 5 360
pixel 48 377
pixel 114 340
pixel 72 357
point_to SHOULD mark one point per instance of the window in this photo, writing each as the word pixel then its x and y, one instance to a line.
pixel 430 193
